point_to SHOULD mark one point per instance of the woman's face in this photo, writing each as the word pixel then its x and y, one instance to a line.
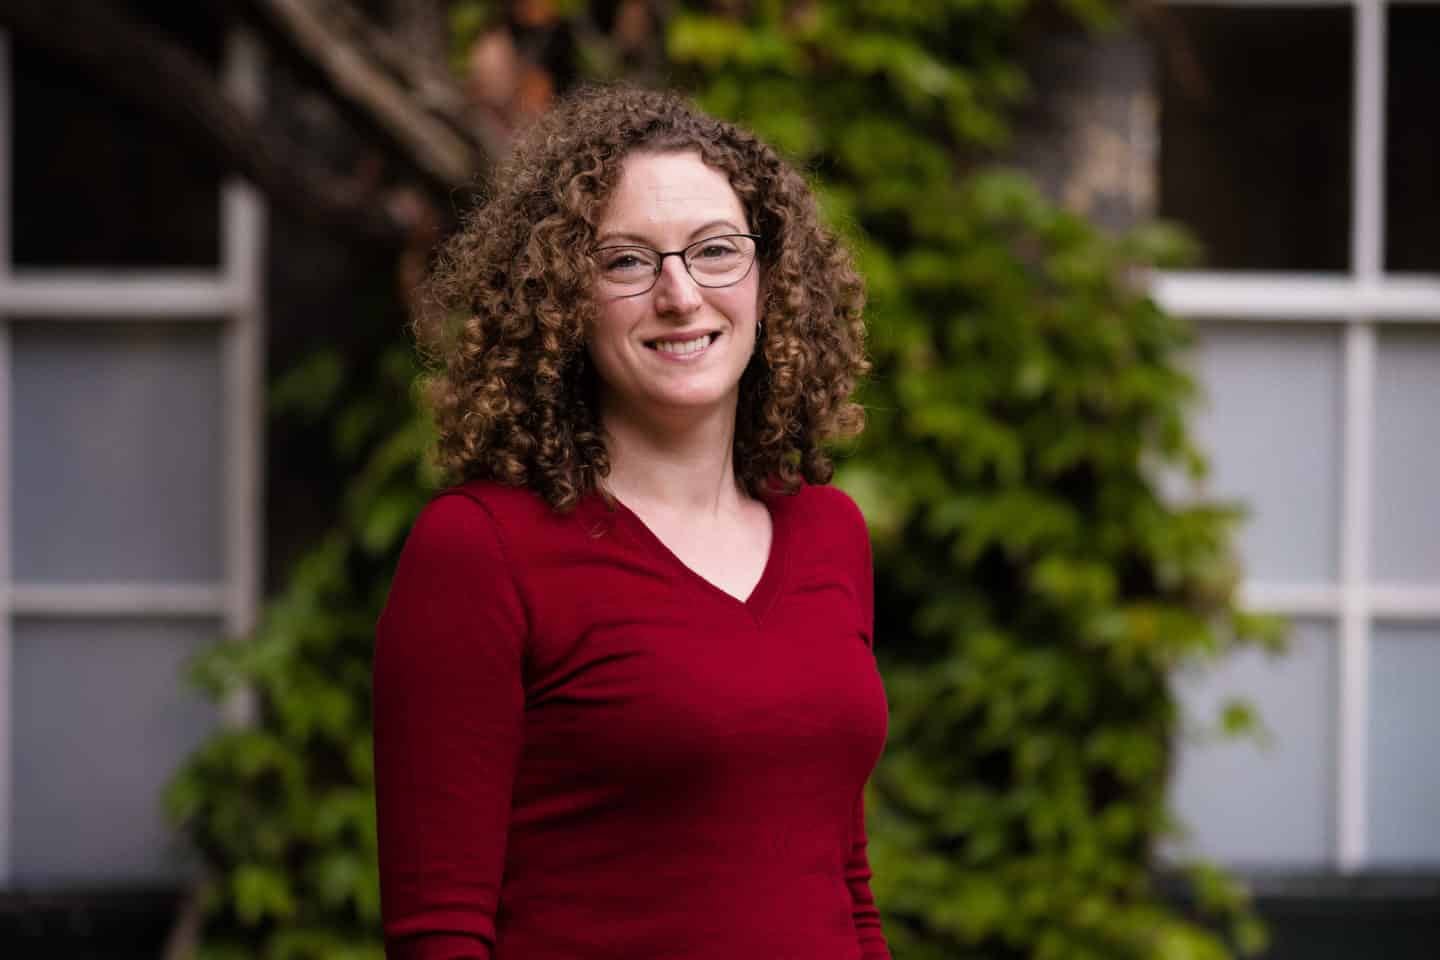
pixel 679 347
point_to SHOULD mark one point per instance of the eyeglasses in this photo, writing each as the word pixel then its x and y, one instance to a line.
pixel 629 270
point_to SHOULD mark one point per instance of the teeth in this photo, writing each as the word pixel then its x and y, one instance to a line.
pixel 683 347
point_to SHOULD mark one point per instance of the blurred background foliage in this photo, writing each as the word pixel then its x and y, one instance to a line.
pixel 1035 586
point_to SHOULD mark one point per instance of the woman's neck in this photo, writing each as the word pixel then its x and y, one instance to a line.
pixel 689 467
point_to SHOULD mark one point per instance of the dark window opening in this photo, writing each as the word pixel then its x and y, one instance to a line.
pixel 97 182
pixel 1255 134
pixel 1412 158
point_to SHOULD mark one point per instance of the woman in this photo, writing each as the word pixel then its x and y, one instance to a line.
pixel 625 700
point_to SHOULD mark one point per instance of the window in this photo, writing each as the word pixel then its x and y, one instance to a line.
pixel 1302 145
pixel 130 376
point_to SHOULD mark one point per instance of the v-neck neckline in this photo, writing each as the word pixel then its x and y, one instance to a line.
pixel 762 595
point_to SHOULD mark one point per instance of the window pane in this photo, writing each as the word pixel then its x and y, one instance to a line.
pixel 102 717
pixel 1270 420
pixel 1412 156
pixel 1407 456
pixel 1404 787
pixel 1255 124
pixel 117 447
pixel 100 182
pixel 1270 804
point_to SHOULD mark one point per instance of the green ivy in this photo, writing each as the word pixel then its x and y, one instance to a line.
pixel 1035 591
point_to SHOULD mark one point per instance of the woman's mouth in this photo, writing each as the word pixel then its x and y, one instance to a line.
pixel 683 349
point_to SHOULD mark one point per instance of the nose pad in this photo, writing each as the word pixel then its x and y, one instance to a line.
pixel 675 289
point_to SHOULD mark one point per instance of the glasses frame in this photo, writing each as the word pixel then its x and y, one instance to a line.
pixel 685 261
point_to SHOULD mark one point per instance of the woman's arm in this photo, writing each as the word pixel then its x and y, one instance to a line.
pixel 448 709
pixel 857 877
pixel 857 868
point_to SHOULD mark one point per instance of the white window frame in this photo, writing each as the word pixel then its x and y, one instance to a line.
pixel 1359 301
pixel 233 297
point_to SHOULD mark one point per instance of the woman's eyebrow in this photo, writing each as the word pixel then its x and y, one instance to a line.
pixel 609 238
pixel 712 225
pixel 706 229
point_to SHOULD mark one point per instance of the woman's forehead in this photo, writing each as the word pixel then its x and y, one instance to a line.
pixel 671 190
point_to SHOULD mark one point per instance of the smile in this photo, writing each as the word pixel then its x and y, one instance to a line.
pixel 683 349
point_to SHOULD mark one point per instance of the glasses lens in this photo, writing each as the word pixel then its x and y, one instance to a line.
pixel 628 266
pixel 720 260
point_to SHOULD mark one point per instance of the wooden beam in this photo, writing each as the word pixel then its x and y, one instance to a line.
pixel 350 55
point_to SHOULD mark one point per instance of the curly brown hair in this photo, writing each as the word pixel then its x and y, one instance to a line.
pixel 509 299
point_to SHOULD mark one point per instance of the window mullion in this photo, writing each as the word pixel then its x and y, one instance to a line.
pixel 242 266
pixel 1367 240
pixel 1366 264
pixel 6 484
pixel 1355 627
pixel 1296 297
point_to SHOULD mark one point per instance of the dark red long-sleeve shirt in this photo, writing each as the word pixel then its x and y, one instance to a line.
pixel 584 750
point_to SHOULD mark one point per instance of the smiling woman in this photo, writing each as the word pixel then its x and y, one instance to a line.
pixel 625 697
pixel 699 318
pixel 517 293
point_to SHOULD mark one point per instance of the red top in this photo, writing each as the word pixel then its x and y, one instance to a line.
pixel 585 750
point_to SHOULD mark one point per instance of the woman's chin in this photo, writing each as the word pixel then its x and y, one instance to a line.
pixel 691 399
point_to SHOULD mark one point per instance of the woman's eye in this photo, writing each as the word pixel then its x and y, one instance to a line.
pixel 716 250
pixel 625 261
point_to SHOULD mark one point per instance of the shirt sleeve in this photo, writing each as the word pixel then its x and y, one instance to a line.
pixel 857 878
pixel 857 868
pixel 448 711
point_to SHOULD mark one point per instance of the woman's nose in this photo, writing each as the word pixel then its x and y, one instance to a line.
pixel 675 290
